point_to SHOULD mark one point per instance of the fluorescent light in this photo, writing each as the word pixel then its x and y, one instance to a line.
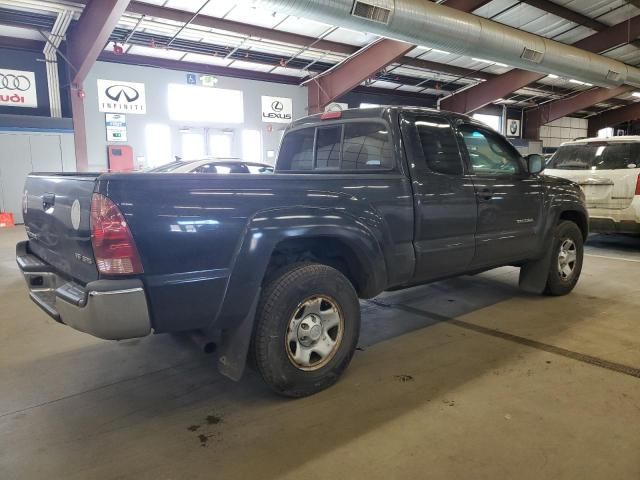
pixel 440 51
pixel 578 82
pixel 490 61
pixel 551 75
pixel 635 94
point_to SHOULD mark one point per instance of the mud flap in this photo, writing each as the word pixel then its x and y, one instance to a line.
pixel 534 274
pixel 235 345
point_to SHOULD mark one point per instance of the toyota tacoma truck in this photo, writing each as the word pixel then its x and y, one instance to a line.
pixel 272 267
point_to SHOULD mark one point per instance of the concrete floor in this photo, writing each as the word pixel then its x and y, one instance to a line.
pixel 467 378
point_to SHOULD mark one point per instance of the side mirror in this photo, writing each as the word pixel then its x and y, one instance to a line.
pixel 535 163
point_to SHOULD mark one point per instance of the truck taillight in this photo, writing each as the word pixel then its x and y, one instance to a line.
pixel 113 246
pixel 638 185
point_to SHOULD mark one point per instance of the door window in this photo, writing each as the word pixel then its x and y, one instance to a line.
pixel 490 154
pixel 596 156
pixel 439 146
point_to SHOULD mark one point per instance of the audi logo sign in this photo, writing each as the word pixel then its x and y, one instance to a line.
pixel 277 110
pixel 18 89
pixel 121 97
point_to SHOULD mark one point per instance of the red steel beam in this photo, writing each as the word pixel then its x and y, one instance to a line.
pixel 329 85
pixel 612 118
pixel 484 93
pixel 84 44
pixel 551 111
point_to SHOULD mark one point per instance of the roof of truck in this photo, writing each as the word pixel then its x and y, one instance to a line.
pixel 375 112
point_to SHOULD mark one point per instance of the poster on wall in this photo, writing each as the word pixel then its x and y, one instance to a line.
pixel 116 127
pixel 513 127
pixel 277 109
pixel 18 89
pixel 121 97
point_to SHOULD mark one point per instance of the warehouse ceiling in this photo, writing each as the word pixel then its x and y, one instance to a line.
pixel 231 34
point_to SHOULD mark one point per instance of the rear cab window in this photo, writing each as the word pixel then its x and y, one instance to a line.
pixel 596 156
pixel 349 146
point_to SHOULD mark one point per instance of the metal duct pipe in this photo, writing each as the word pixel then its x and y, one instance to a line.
pixel 422 22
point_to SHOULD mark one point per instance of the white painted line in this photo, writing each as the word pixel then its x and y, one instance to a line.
pixel 612 258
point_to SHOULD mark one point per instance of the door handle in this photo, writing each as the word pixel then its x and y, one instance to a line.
pixel 48 201
pixel 484 194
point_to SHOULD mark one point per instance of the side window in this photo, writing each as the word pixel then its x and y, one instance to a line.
pixel 328 147
pixel 206 168
pixel 439 146
pixel 296 151
pixel 366 146
pixel 489 154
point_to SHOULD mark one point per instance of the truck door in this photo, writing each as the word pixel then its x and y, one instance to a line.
pixel 510 200
pixel 445 208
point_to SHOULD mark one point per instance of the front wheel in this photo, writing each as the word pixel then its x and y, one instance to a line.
pixel 566 259
pixel 307 328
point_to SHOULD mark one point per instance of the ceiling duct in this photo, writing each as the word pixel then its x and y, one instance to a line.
pixel 422 22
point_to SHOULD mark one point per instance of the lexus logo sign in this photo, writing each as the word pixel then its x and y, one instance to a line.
pixel 18 89
pixel 277 110
pixel 121 97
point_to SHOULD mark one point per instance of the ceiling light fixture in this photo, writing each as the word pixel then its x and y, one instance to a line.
pixel 489 61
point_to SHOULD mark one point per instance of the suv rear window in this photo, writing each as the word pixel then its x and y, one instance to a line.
pixel 349 146
pixel 596 156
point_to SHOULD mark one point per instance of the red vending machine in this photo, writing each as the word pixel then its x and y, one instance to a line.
pixel 120 158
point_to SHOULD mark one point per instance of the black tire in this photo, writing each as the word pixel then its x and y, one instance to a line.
pixel 557 284
pixel 281 299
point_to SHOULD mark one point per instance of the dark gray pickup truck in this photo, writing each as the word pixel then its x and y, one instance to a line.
pixel 362 201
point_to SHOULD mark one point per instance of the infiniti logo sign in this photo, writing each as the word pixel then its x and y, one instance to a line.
pixel 121 97
pixel 117 92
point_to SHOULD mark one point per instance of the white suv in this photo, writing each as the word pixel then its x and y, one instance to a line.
pixel 608 170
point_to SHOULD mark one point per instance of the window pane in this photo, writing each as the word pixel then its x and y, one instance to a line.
pixel 489 154
pixel 296 150
pixel 192 145
pixel 493 121
pixel 366 146
pixel 252 145
pixel 439 146
pixel 596 156
pixel 220 145
pixel 328 148
pixel 158 141
pixel 191 103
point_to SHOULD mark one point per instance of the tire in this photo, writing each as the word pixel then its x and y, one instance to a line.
pixel 566 234
pixel 294 302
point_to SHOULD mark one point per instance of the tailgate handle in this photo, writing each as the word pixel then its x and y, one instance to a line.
pixel 48 201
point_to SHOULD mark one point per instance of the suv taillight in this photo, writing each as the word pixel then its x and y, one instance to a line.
pixel 113 245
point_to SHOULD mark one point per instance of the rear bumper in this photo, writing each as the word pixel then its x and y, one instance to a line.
pixel 109 309
pixel 627 220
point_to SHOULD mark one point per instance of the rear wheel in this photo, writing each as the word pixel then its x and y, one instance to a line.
pixel 307 328
pixel 566 259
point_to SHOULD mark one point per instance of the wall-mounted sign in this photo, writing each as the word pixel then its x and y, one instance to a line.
pixel 18 89
pixel 513 127
pixel 277 110
pixel 116 127
pixel 121 97
pixel 192 79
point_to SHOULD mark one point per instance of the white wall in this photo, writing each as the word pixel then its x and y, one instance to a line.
pixel 156 84
pixel 563 130
pixel 22 152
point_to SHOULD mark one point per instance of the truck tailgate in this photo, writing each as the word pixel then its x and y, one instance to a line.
pixel 56 211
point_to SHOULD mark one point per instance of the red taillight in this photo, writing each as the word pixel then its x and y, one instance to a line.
pixel 638 185
pixel 113 245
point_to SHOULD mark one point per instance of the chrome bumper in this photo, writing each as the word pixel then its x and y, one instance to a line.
pixel 109 309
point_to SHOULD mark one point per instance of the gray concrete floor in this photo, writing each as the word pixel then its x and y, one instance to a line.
pixel 467 378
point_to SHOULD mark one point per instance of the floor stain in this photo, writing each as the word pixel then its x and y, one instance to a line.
pixel 213 419
pixel 404 378
pixel 193 428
